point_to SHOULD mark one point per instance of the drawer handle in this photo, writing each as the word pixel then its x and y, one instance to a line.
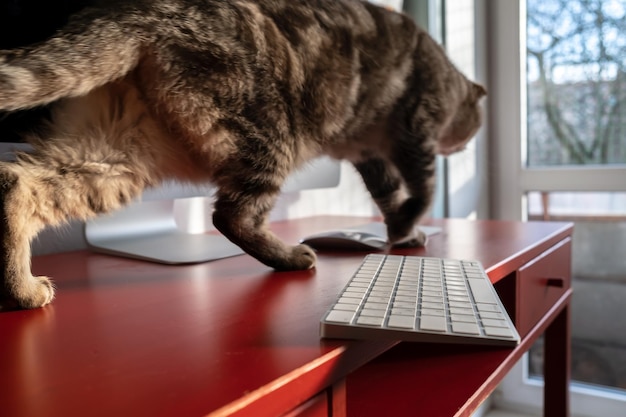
pixel 555 282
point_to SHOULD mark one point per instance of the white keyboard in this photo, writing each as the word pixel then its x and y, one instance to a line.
pixel 420 299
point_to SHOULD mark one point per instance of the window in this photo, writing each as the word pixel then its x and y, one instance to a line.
pixel 576 115
pixel 558 101
pixel 576 82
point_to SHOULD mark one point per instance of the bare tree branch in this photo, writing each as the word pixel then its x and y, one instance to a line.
pixel 579 50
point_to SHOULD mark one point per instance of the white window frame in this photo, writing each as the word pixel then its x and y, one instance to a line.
pixel 506 47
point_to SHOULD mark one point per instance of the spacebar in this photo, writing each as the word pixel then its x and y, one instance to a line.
pixel 482 291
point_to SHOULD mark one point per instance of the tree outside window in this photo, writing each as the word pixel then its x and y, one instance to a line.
pixel 576 82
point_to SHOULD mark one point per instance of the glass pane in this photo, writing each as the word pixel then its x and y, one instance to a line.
pixel 599 283
pixel 576 83
pixel 570 206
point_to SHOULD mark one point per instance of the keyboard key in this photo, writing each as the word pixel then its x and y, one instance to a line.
pixel 467 328
pixel 370 321
pixel 406 298
pixel 495 323
pixel 458 304
pixel 381 293
pixel 457 293
pixel 456 289
pixel 432 306
pixel 491 315
pixel 377 299
pixel 482 291
pixel 433 312
pixel 436 323
pixel 403 304
pixel 403 322
pixel 462 318
pixel 339 316
pixel 456 310
pixel 403 311
pixel 358 286
pixel 489 308
pixel 375 306
pixel 435 294
pixel 346 307
pixel 429 299
pixel 406 293
pixel 499 332
pixel 460 298
pixel 373 313
pixel 350 300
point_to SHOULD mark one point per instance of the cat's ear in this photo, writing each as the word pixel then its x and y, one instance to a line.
pixel 478 90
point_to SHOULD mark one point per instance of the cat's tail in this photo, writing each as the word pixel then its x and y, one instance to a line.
pixel 87 53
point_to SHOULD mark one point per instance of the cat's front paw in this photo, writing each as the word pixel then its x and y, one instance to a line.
pixel 415 238
pixel 39 293
pixel 301 257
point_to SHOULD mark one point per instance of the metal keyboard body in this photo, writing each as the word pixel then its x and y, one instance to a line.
pixel 420 299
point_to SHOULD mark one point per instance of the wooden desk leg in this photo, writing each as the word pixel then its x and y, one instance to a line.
pixel 557 355
pixel 338 400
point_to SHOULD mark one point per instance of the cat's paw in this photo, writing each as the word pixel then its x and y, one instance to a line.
pixel 38 294
pixel 415 238
pixel 301 257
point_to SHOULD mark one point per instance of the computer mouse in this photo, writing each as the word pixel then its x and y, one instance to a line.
pixel 345 240
pixel 365 237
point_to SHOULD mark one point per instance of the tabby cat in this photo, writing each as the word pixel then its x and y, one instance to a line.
pixel 239 93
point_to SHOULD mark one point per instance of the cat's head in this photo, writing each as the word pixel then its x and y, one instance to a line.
pixel 464 123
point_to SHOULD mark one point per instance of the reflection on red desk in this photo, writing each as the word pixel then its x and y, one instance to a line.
pixel 232 337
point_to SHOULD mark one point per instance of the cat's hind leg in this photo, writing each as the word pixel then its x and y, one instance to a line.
pixel 93 159
pixel 17 228
pixel 34 193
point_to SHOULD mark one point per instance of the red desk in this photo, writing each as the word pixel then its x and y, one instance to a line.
pixel 232 337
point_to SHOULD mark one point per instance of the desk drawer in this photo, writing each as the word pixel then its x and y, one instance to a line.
pixel 540 283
